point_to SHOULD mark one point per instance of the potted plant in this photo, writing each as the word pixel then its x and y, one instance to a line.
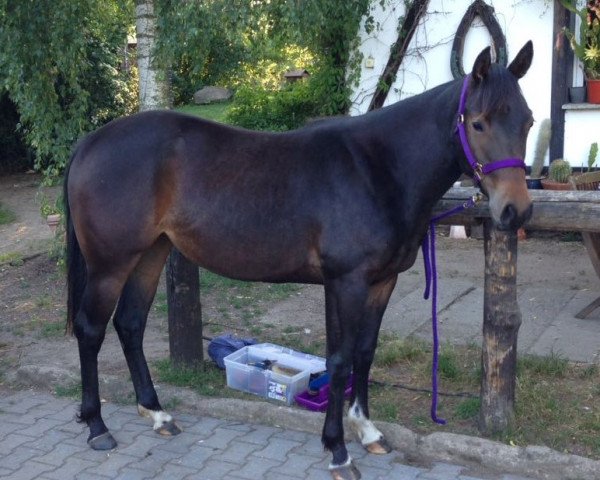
pixel 589 180
pixel 587 48
pixel 51 211
pixel 559 173
pixel 541 147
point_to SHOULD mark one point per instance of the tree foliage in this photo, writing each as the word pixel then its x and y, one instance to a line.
pixel 59 64
pixel 223 40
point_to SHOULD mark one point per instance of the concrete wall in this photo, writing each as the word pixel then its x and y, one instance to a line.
pixel 428 60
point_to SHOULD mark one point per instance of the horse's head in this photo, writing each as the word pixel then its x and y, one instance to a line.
pixel 497 121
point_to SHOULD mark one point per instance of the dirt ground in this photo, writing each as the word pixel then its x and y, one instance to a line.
pixel 32 292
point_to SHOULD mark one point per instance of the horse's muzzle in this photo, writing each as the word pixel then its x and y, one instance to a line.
pixel 510 219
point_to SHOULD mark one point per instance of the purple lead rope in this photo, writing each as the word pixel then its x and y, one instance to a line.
pixel 428 244
pixel 428 247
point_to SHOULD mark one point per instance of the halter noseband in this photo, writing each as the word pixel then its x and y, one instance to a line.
pixel 479 170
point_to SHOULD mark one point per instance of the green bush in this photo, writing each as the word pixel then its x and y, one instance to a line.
pixel 258 108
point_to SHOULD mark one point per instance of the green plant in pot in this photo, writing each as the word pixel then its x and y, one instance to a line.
pixel 541 147
pixel 589 180
pixel 587 47
pixel 559 174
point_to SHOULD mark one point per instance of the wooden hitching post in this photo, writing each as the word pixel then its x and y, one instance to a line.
pixel 185 314
pixel 501 322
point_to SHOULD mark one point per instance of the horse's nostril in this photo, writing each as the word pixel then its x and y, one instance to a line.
pixel 509 215
pixel 528 212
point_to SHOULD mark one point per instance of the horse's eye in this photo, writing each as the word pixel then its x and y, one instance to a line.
pixel 478 126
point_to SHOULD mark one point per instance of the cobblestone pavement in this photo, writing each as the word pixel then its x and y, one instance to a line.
pixel 39 439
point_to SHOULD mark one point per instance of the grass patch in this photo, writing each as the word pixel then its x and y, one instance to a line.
pixel 243 300
pixel 557 402
pixel 72 390
pixel 208 380
pixel 214 111
pixel 13 258
pixel 52 329
pixel 6 215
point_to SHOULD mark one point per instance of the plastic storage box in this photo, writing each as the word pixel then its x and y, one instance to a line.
pixel 244 373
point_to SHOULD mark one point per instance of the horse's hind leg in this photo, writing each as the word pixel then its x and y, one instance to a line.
pixel 99 298
pixel 366 341
pixel 130 323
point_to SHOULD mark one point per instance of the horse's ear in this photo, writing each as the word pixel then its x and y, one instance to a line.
pixel 482 65
pixel 522 61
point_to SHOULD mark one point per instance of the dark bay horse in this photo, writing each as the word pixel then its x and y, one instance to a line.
pixel 344 202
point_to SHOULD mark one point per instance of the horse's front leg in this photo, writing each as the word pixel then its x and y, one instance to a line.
pixel 358 415
pixel 345 299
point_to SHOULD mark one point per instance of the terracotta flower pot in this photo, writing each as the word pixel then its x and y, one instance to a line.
pixel 53 220
pixel 552 185
pixel 593 91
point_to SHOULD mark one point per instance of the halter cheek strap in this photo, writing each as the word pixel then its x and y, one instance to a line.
pixel 479 170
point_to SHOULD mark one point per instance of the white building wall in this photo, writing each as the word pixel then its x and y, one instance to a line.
pixel 427 63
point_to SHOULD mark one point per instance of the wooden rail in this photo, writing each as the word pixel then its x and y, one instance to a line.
pixel 565 210
pixel 552 210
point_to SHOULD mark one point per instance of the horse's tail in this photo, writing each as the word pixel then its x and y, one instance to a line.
pixel 76 266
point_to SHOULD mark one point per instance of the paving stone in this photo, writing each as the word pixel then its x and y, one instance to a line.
pixel 197 456
pixel 405 472
pixel 40 427
pixel 70 468
pixel 12 441
pixel 296 465
pixel 142 446
pixel 256 468
pixel 292 435
pixel 318 474
pixel 238 426
pixel 133 474
pixel 180 443
pixel 90 476
pixel 155 459
pixel 221 437
pixel 213 470
pixel 62 451
pixel 112 463
pixel 260 435
pixel 205 426
pixel 30 471
pixel 174 472
pixel 277 450
pixel 236 452
pixel 19 456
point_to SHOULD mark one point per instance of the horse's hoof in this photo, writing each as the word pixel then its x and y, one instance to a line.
pixel 103 442
pixel 345 472
pixel 169 428
pixel 379 447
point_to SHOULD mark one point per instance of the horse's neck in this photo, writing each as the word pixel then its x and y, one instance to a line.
pixel 425 151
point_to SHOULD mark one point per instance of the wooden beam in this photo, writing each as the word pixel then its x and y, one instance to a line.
pixel 185 314
pixel 552 210
pixel 501 322
pixel 562 73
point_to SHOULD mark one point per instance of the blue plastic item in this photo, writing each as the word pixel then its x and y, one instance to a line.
pixel 220 347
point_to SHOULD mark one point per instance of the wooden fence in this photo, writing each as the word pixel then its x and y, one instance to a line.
pixel 565 210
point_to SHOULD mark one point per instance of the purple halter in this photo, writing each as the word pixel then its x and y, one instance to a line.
pixel 479 170
pixel 428 245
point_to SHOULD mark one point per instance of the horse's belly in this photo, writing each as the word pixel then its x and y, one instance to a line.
pixel 240 255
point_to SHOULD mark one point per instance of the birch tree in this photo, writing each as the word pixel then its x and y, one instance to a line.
pixel 154 85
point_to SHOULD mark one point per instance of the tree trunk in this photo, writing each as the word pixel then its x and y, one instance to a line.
pixel 185 311
pixel 154 85
pixel 183 290
pixel 501 322
pixel 397 51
